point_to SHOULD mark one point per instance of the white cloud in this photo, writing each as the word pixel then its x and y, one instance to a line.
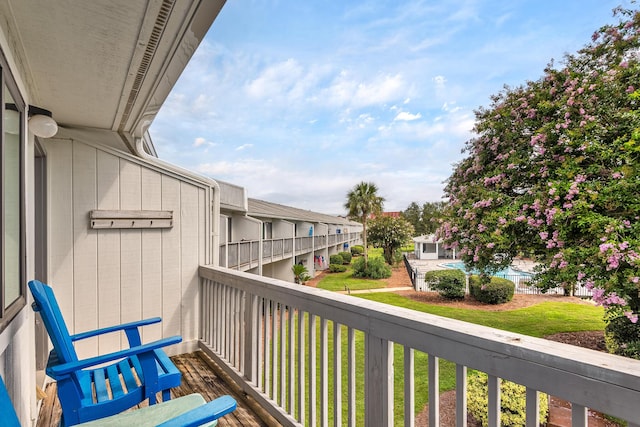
pixel 244 147
pixel 199 141
pixel 407 117
pixel 439 81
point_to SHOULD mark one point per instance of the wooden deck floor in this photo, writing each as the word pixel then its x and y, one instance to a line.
pixel 198 376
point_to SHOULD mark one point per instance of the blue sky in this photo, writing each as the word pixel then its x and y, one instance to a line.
pixel 298 101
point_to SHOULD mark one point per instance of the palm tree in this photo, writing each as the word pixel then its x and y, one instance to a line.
pixel 362 202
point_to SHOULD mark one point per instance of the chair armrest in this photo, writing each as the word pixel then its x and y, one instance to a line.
pixel 203 414
pixel 115 328
pixel 69 367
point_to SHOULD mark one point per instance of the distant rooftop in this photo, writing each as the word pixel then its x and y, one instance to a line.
pixel 275 210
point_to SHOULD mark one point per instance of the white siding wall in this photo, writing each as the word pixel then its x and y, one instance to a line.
pixel 246 228
pixel 282 229
pixel 105 277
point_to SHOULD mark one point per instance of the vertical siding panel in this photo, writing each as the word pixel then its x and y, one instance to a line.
pixel 131 252
pixel 85 293
pixel 151 267
pixel 190 228
pixel 108 259
pixel 171 274
pixel 60 263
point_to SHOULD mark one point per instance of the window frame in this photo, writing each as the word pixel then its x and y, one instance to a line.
pixel 7 314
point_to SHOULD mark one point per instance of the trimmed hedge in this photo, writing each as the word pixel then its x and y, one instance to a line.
pixel 337 268
pixel 346 257
pixel 497 291
pixel 336 259
pixel 512 401
pixel 376 268
pixel 357 250
pixel 450 284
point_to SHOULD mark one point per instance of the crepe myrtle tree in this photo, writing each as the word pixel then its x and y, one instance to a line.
pixel 390 234
pixel 554 172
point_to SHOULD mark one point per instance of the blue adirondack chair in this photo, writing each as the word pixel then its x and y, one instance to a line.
pixel 185 411
pixel 123 379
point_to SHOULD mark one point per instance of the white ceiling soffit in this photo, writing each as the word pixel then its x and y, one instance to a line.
pixel 106 64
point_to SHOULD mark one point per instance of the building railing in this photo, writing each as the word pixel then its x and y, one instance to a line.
pixel 303 244
pixel 301 351
pixel 276 249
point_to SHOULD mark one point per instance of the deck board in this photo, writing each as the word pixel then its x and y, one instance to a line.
pixel 197 377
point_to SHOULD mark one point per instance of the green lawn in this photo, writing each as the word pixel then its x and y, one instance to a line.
pixel 539 320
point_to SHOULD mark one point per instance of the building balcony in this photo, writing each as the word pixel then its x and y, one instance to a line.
pixel 306 356
pixel 312 357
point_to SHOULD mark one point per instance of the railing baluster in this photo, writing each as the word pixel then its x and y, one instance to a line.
pixel 267 349
pixel 219 325
pixel 225 322
pixel 532 408
pixel 292 360
pixel 493 406
pixel 409 387
pixel 283 358
pixel 243 330
pixel 324 372
pixel 301 371
pixel 378 381
pixel 260 339
pixel 434 391
pixel 337 374
pixel 232 326
pixel 579 415
pixel 252 349
pixel 461 395
pixel 351 381
pixel 312 370
pixel 274 349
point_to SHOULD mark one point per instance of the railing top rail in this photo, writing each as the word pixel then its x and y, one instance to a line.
pixel 582 376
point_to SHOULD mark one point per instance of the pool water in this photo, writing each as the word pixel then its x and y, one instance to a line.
pixel 508 272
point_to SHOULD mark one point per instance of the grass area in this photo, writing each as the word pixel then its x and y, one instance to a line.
pixel 537 321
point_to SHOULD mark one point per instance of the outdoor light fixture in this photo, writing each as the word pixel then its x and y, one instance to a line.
pixel 41 123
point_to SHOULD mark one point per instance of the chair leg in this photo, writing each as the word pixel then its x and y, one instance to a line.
pixel 166 395
pixel 152 399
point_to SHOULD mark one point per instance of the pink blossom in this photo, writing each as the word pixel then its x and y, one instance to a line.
pixel 616 175
pixel 631 316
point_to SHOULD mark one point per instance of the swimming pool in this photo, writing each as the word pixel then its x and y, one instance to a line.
pixel 507 273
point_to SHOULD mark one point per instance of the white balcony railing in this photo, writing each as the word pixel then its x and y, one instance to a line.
pixel 279 342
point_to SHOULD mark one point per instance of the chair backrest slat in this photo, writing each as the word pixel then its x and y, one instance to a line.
pixel 46 304
pixel 7 411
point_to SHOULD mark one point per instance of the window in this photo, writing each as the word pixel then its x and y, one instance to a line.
pixel 12 290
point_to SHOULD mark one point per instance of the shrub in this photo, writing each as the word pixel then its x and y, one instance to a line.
pixel 357 250
pixel 512 401
pixel 622 337
pixel 497 291
pixel 337 268
pixel 375 269
pixel 336 259
pixel 346 257
pixel 450 284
